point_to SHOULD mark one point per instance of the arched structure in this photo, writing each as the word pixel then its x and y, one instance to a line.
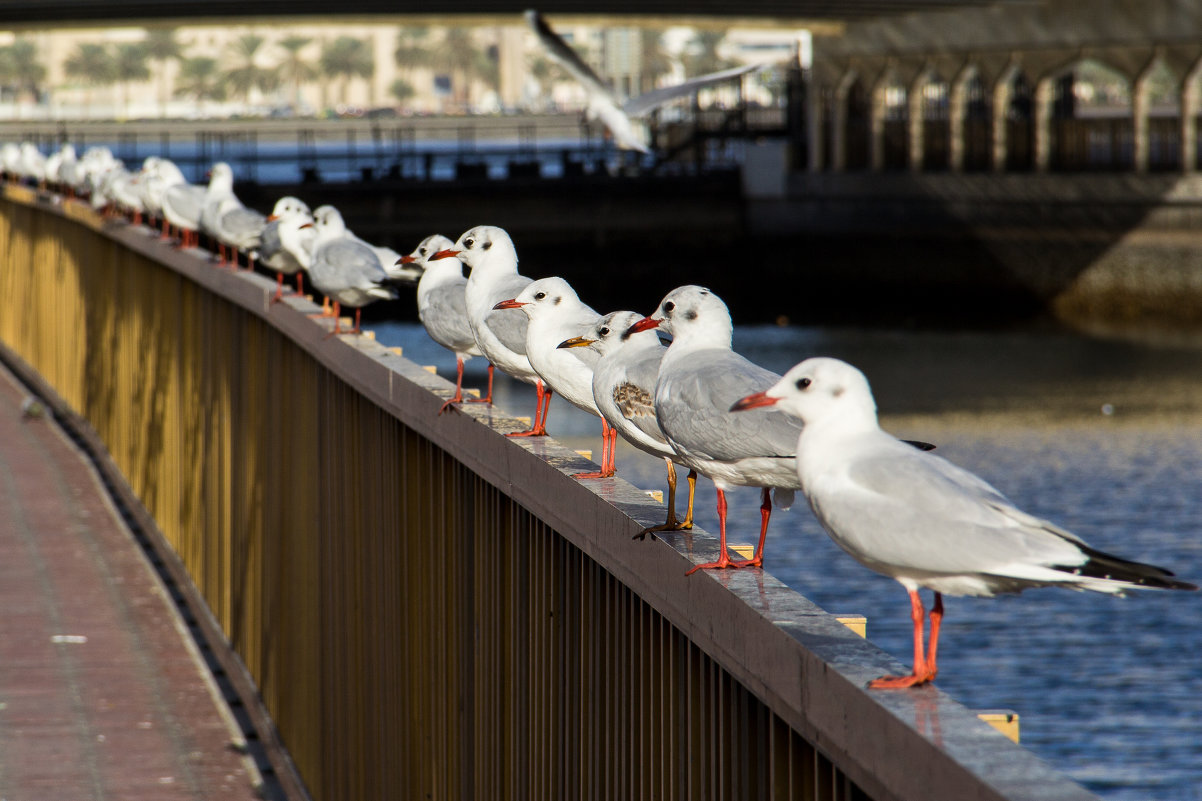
pixel 1003 88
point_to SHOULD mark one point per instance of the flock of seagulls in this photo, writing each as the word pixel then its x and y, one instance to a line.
pixel 695 402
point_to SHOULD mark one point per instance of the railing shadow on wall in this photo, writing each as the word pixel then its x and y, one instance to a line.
pixel 429 609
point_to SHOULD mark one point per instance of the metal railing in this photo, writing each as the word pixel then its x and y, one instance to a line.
pixel 430 609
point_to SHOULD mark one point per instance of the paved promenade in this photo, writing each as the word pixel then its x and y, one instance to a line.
pixel 102 694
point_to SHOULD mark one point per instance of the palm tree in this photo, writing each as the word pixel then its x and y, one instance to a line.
pixel 91 64
pixel 412 49
pixel 295 70
pixel 347 57
pixel 162 46
pixel 200 80
pixel 246 76
pixel 129 65
pixel 459 56
pixel 20 68
pixel 656 63
pixel 401 89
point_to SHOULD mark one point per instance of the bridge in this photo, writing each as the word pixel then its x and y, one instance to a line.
pixel 414 605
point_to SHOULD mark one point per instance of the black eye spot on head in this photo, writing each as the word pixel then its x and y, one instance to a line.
pixel 487 244
pixel 691 314
pixel 668 307
pixel 540 295
pixel 558 298
pixel 803 383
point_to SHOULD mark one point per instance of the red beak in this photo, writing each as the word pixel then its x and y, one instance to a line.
pixel 753 401
pixel 509 304
pixel 406 259
pixel 307 225
pixel 444 254
pixel 272 217
pixel 645 324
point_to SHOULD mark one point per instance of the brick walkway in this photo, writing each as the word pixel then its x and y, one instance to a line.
pixel 102 694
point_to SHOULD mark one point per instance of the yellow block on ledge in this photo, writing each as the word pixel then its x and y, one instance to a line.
pixel 857 623
pixel 1003 720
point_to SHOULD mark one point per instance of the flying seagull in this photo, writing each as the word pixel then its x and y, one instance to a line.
pixel 603 105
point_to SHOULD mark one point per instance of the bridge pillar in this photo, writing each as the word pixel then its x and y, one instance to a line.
pixel 1140 91
pixel 838 129
pixel 815 127
pixel 957 109
pixel 916 119
pixel 876 123
pixel 1189 118
pixel 1003 93
pixel 1045 96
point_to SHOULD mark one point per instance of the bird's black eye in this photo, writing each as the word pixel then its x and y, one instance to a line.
pixel 668 307
pixel 603 331
pixel 803 383
pixel 422 251
pixel 540 295
pixel 467 243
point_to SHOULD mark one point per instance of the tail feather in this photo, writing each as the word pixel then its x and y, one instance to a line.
pixel 1108 567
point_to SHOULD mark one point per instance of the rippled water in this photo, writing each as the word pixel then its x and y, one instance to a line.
pixel 1101 436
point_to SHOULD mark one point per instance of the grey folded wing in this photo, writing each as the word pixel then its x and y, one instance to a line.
pixel 445 319
pixel 242 226
pixel 186 201
pixel 696 412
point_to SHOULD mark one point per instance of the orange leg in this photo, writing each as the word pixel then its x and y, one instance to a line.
pixel 458 396
pixel 924 668
pixel 487 398
pixel 608 444
pixel 279 288
pixel 300 283
pixel 542 406
pixel 724 560
pixel 757 560
pixel 672 524
pixel 337 320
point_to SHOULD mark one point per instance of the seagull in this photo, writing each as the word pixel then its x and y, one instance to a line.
pixel 392 262
pixel 624 389
pixel 921 519
pixel 556 313
pixel 501 335
pixel 224 217
pixel 603 105
pixel 700 376
pixel 288 212
pixel 345 269
pixel 182 206
pixel 442 306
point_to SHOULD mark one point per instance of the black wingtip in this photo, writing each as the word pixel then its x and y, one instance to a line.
pixel 1102 565
pixel 922 446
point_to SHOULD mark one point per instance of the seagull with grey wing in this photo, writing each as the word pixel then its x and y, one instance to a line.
pixel 921 519
pixel 603 105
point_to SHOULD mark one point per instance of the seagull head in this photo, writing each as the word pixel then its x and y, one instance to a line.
pixel 435 247
pixel 487 246
pixel 610 334
pixel 288 206
pixel 818 390
pixel 546 297
pixel 691 314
